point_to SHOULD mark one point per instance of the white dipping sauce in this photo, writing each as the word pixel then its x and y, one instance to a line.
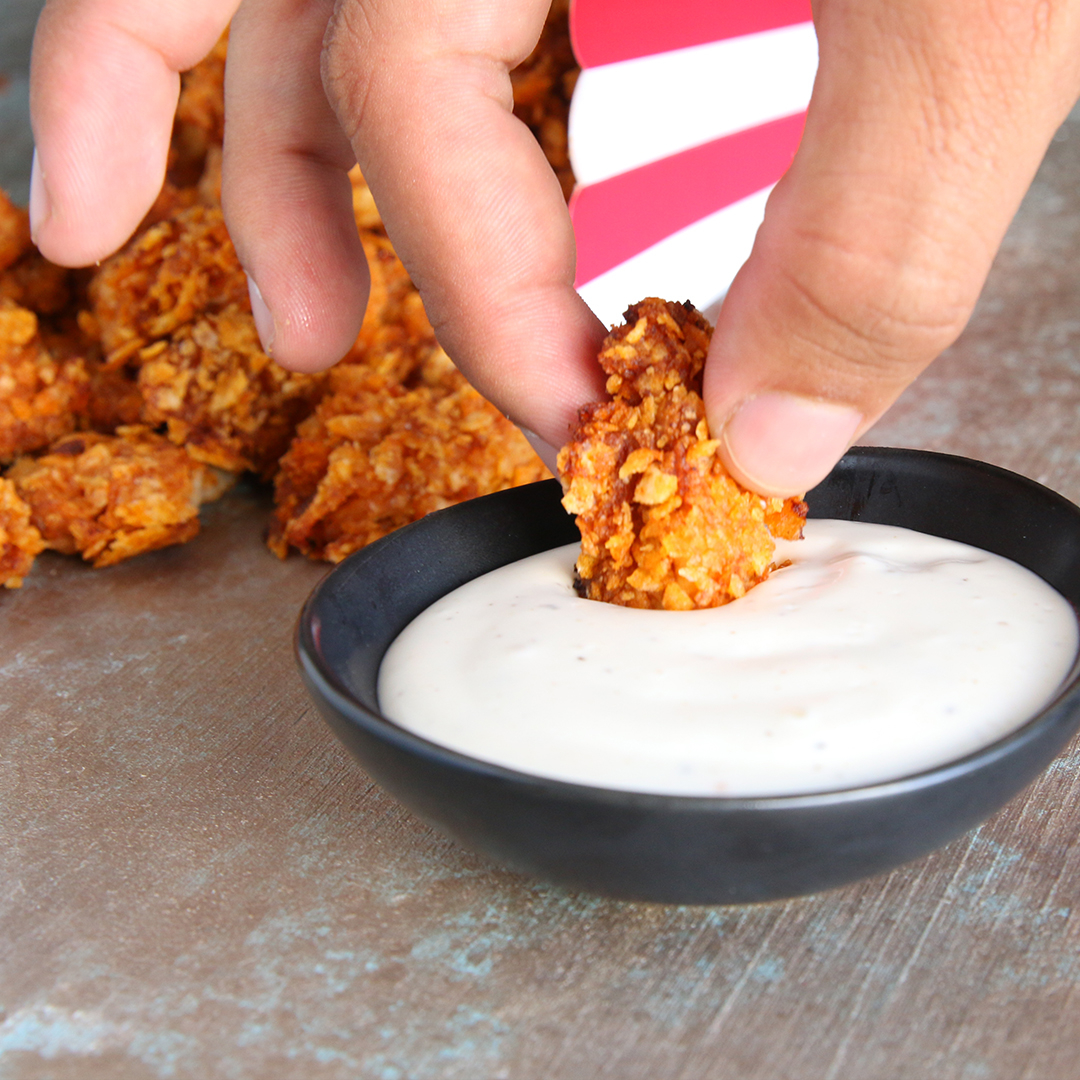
pixel 878 653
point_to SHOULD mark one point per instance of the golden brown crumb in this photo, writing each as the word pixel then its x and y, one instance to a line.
pixel 379 453
pixel 543 84
pixel 221 396
pixel 108 497
pixel 14 232
pixel 27 278
pixel 115 399
pixel 200 115
pixel 170 201
pixel 364 209
pixel 178 269
pixel 35 283
pixel 20 542
pixel 394 308
pixel 41 396
pixel 662 523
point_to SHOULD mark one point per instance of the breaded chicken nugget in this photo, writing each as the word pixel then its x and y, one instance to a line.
pixel 26 278
pixel 543 84
pixel 662 523
pixel 379 453
pixel 108 497
pixel 200 115
pixel 41 396
pixel 175 271
pixel 363 203
pixel 14 231
pixel 221 396
pixel 20 542
pixel 394 310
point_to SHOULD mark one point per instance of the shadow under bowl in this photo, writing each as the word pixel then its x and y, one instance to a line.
pixel 666 848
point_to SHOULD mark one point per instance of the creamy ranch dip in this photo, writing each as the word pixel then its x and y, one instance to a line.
pixel 877 653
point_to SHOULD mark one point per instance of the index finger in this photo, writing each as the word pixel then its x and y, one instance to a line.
pixel 104 81
pixel 422 88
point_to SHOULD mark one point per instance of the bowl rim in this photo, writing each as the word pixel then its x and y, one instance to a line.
pixel 337 693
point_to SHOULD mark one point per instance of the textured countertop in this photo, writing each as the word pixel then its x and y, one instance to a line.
pixel 196 882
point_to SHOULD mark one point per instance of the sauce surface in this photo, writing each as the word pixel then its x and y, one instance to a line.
pixel 879 652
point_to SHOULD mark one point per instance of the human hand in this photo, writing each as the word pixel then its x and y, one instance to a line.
pixel 927 124
pixel 928 121
pixel 422 89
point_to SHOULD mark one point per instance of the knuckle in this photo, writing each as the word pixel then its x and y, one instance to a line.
pixel 345 62
pixel 878 311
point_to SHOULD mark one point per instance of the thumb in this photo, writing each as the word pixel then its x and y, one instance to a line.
pixel 927 123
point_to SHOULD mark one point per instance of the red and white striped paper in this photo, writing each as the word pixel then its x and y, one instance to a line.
pixel 685 115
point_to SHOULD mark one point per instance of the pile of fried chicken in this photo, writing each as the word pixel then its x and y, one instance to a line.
pixel 132 394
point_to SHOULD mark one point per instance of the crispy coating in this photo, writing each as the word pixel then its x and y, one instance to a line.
pixel 41 395
pixel 379 453
pixel 543 84
pixel 200 115
pixel 171 200
pixel 20 542
pixel 108 497
pixel 26 278
pixel 662 523
pixel 363 202
pixel 221 396
pixel 14 232
pixel 175 271
pixel 395 313
pixel 35 283
pixel 115 399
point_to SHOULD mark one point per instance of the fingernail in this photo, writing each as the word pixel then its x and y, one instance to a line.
pixel 264 321
pixel 783 444
pixel 40 203
pixel 543 450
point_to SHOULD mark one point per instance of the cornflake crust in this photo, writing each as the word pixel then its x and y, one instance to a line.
pixel 178 269
pixel 663 524
pixel 543 84
pixel 132 384
pixel 109 497
pixel 20 542
pixel 397 436
pixel 221 396
pixel 41 396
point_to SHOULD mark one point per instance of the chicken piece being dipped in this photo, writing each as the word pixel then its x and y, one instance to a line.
pixel 663 524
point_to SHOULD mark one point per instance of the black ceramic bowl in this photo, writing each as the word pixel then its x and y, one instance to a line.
pixel 682 849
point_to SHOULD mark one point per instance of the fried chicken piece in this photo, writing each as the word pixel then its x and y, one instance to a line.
pixel 663 524
pixel 35 283
pixel 221 396
pixel 208 190
pixel 26 277
pixel 543 84
pixel 41 395
pixel 14 231
pixel 171 200
pixel 108 497
pixel 115 398
pixel 175 271
pixel 363 203
pixel 379 453
pixel 20 542
pixel 394 306
pixel 200 115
